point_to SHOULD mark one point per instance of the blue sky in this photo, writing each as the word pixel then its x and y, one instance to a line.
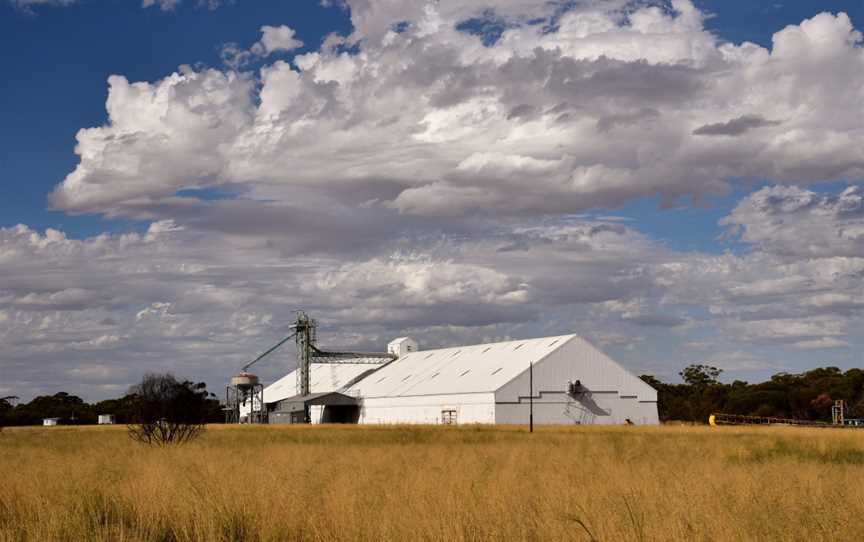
pixel 58 61
pixel 427 183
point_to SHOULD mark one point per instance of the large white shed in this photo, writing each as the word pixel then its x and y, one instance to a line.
pixel 573 383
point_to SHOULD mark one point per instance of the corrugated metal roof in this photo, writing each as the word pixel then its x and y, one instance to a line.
pixel 325 377
pixel 577 359
pixel 481 368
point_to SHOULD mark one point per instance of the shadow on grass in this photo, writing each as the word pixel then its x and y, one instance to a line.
pixel 838 454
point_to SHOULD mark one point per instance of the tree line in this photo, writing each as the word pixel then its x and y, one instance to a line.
pixel 145 399
pixel 804 396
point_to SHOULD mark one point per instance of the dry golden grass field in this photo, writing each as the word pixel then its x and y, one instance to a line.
pixel 433 483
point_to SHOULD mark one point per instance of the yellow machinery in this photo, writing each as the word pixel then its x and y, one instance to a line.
pixel 838 419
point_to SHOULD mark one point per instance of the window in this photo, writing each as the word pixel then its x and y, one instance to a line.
pixel 487 349
pixel 466 372
pixel 429 356
pixel 553 342
pixel 382 379
pixel 498 370
pixel 433 376
pixel 448 417
pixel 406 378
pixel 456 353
pixel 520 346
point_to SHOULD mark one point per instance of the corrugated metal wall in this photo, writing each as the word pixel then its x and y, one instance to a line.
pixel 614 394
pixel 559 409
pixel 428 409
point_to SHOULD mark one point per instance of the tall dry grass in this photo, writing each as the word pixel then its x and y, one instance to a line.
pixel 405 484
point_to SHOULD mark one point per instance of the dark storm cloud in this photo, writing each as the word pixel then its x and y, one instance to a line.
pixel 735 127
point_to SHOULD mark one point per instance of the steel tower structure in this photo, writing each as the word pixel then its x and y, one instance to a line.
pixel 305 334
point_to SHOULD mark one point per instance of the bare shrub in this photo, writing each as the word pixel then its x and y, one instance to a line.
pixel 167 411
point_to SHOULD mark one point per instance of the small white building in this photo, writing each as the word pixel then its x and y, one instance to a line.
pixel 402 346
pixel 106 419
pixel 50 422
pixel 570 381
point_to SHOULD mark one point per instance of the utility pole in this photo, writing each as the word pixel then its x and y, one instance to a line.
pixel 531 398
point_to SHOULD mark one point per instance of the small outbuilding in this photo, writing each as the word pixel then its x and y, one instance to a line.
pixel 50 422
pixel 333 407
pixel 106 419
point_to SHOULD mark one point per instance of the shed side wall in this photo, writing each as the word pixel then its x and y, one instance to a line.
pixel 427 409
pixel 615 395
pixel 560 409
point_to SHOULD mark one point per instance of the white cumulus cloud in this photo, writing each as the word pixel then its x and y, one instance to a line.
pixel 593 112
